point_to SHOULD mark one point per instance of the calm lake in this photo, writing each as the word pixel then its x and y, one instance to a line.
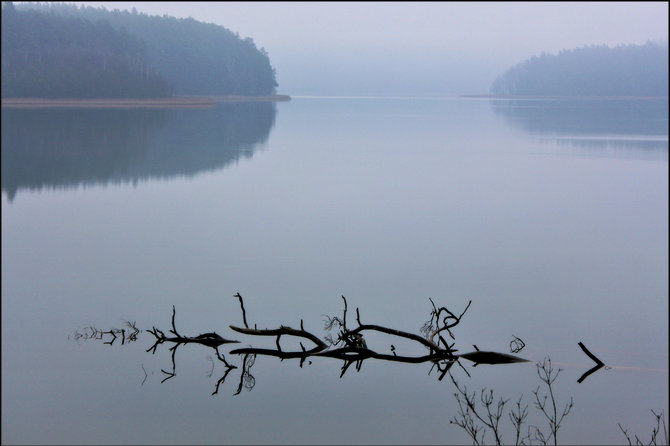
pixel 551 216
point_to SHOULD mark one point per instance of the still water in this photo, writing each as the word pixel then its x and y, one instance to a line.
pixel 550 216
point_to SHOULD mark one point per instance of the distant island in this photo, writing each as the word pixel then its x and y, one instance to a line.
pixel 65 54
pixel 595 71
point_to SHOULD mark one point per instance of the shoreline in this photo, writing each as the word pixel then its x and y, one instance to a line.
pixel 496 96
pixel 268 98
pixel 171 102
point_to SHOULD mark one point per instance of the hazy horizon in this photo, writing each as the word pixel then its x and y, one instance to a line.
pixel 414 48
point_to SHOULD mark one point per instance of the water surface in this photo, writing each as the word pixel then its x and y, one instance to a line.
pixel 551 216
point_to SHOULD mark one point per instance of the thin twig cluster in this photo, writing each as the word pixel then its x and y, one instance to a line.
pixel 481 413
pixel 656 431
pixel 128 334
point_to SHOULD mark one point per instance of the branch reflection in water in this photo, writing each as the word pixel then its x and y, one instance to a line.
pixel 475 415
pixel 348 345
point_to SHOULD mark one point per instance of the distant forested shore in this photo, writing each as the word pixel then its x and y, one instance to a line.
pixel 61 51
pixel 596 71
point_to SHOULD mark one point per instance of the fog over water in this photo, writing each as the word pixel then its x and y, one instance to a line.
pixel 555 228
pixel 415 48
pixel 545 218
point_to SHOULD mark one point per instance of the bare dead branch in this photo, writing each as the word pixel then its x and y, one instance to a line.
pixel 283 330
pixel 174 329
pixel 394 332
pixel 222 380
pixel 590 355
pixel 446 325
pixel 344 314
pixel 516 345
pixel 598 366
pixel 350 347
pixel 518 418
pixel 244 314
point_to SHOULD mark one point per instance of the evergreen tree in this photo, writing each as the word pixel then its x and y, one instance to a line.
pixel 193 57
pixel 51 56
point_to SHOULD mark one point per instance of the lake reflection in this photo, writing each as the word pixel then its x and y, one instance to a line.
pixel 392 202
pixel 52 148
pixel 638 127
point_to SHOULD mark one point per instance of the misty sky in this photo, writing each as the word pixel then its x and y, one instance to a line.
pixel 403 49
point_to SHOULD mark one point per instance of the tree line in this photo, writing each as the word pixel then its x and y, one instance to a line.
pixel 625 70
pixel 61 50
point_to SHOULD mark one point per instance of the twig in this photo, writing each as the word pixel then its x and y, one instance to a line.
pixel 516 345
pixel 598 366
pixel 244 314
pixel 590 355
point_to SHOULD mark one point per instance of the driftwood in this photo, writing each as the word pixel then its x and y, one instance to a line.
pixel 351 344
pixel 481 357
pixel 342 342
pixel 348 344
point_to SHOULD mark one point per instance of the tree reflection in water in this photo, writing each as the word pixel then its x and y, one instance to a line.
pixel 61 148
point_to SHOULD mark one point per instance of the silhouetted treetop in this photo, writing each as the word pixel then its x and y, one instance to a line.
pixel 625 70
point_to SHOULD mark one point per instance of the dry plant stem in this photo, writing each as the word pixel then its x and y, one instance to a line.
pixel 545 372
pixel 491 419
pixel 654 440
pixel 518 418
pixel 489 413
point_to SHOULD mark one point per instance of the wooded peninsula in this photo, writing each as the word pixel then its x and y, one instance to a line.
pixel 83 56
pixel 596 71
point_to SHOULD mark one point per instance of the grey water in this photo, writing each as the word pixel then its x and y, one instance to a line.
pixel 551 216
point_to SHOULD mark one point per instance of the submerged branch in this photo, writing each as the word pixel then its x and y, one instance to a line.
pixel 283 330
pixel 598 366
